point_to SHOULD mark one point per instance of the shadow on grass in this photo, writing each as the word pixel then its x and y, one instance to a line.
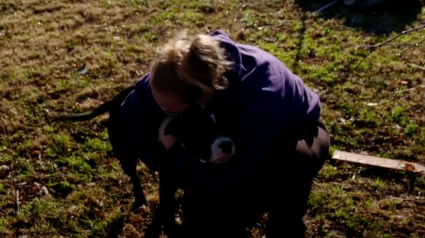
pixel 115 228
pixel 385 18
pixel 301 37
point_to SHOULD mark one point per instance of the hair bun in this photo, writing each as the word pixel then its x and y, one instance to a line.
pixel 205 61
pixel 197 60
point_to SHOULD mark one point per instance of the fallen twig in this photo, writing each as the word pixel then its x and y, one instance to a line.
pixel 361 61
pixel 416 66
pixel 410 89
pixel 373 47
pixel 413 199
pixel 325 7
pixel 410 47
pixel 19 223
pixel 401 44
pixel 17 202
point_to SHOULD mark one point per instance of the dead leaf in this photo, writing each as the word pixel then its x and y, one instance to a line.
pixel 409 167
pixel 316 34
pixel 99 213
pixel 135 219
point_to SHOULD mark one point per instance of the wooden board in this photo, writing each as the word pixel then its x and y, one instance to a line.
pixel 378 162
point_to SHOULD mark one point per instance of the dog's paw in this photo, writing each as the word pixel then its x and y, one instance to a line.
pixel 153 230
pixel 140 208
pixel 162 232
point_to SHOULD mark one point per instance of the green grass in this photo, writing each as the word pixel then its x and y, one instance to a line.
pixel 365 106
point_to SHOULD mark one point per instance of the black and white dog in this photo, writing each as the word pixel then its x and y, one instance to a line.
pixel 200 134
pixel 197 130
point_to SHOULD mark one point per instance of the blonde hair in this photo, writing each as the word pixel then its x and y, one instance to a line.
pixel 190 61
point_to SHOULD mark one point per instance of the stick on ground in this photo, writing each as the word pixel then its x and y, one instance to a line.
pixel 379 162
pixel 373 47
pixel 17 202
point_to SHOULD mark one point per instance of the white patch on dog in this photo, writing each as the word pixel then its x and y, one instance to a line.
pixel 212 117
pixel 217 154
pixel 169 140
pixel 164 124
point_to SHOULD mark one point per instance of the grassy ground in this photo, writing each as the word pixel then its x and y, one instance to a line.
pixel 69 185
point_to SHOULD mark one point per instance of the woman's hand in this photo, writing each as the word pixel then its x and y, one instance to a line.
pixel 167 140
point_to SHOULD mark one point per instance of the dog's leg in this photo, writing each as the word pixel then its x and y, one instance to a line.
pixel 167 198
pixel 140 199
pixel 123 149
pixel 128 160
pixel 165 214
pixel 129 164
pixel 127 156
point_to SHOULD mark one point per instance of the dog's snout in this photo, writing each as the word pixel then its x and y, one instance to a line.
pixel 226 146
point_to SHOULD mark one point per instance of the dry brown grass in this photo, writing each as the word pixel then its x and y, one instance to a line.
pixel 44 43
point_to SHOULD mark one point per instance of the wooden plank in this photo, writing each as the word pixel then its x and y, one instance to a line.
pixel 378 162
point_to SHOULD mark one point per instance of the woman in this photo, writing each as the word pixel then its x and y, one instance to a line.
pixel 281 141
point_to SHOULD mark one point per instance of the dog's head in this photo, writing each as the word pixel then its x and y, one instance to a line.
pixel 197 131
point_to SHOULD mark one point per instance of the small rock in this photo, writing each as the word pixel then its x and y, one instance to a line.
pixel 4 167
pixel 83 71
pixel 145 209
pixel 44 191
